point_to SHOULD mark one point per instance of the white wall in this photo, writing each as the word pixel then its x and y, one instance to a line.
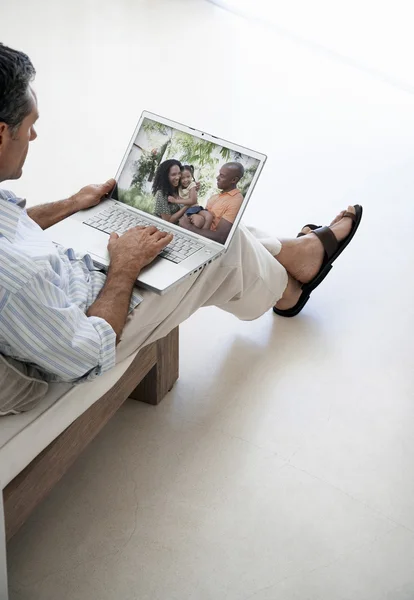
pixel 377 34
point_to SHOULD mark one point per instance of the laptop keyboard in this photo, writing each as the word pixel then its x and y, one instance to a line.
pixel 118 220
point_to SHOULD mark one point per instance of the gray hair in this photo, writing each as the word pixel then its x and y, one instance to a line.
pixel 16 73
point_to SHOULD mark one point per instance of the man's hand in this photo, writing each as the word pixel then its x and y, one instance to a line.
pixel 91 195
pixel 47 215
pixel 136 249
pixel 129 254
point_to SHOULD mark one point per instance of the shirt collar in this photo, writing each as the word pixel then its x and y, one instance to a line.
pixel 230 193
pixel 10 211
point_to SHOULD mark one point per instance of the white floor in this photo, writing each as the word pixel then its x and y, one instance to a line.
pixel 280 466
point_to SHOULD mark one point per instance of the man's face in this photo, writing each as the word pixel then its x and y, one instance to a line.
pixel 226 178
pixel 14 147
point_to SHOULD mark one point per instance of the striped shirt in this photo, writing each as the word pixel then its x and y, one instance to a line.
pixel 45 291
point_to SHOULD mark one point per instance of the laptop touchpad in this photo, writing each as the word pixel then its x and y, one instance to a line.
pixel 72 234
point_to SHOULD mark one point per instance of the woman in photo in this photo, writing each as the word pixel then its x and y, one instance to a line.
pixel 166 185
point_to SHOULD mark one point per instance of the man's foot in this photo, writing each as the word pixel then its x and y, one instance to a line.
pixel 303 257
pixel 291 294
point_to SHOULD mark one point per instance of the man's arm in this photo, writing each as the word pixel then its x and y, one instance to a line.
pixel 129 253
pixel 46 215
pixel 208 219
pixel 42 325
pixel 112 304
pixel 220 235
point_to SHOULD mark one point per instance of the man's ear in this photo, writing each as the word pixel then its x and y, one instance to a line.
pixel 3 130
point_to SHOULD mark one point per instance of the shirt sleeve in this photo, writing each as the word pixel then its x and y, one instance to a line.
pixel 232 209
pixel 210 202
pixel 43 327
pixel 162 206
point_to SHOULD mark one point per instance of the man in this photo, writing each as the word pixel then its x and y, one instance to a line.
pixel 223 206
pixel 60 313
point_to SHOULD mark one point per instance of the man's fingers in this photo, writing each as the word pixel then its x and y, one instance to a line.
pixel 112 238
pixel 161 234
pixel 107 187
pixel 164 241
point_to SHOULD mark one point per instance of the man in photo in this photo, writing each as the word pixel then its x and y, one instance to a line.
pixel 223 206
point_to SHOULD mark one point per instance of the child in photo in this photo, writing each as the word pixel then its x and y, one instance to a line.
pixel 200 217
pixel 187 190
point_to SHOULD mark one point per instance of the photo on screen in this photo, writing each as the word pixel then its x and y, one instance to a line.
pixel 175 175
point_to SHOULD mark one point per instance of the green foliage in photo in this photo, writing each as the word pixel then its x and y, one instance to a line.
pixel 246 180
pixel 141 200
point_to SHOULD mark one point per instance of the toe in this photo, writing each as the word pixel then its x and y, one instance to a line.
pixel 304 231
pixel 351 209
pixel 338 217
pixel 343 226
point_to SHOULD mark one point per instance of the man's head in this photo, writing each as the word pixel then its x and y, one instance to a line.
pixel 18 111
pixel 229 176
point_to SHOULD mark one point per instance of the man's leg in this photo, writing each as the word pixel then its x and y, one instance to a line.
pixel 256 273
pixel 246 281
pixel 293 288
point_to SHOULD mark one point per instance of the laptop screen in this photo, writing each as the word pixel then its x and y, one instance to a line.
pixel 184 179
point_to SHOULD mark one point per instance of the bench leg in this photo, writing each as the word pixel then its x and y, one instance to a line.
pixel 4 594
pixel 163 374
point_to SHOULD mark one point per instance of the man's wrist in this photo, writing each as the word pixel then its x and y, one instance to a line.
pixel 73 203
pixel 119 269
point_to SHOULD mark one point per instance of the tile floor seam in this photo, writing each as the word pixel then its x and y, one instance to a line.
pixel 368 506
pixel 265 448
pixel 270 453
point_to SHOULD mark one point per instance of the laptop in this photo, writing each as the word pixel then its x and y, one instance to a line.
pixel 147 193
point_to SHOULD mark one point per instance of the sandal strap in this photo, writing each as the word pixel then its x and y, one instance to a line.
pixel 311 226
pixel 350 215
pixel 328 239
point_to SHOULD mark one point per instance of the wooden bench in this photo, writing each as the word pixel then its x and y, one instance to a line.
pixel 150 376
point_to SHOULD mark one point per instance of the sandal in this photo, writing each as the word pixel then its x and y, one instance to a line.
pixel 311 226
pixel 333 249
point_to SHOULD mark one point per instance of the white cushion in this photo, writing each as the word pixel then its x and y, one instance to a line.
pixel 24 436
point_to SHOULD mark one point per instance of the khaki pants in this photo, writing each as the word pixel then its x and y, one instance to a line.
pixel 246 281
